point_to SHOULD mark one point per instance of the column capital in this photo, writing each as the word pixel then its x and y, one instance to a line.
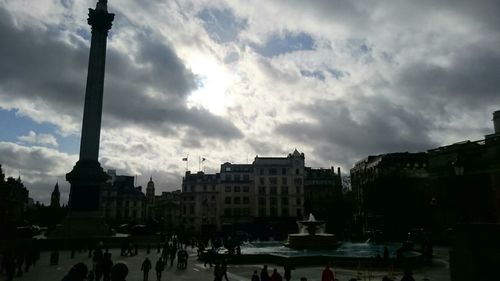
pixel 100 20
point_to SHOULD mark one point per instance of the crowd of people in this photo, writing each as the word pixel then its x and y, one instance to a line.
pixel 15 263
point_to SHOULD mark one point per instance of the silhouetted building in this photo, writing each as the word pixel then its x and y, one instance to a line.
pixel 199 202
pixel 13 203
pixel 265 197
pixel 121 201
pixel 55 197
pixel 167 210
pixel 391 192
pixel 150 198
pixel 237 197
pixel 323 196
pixel 466 180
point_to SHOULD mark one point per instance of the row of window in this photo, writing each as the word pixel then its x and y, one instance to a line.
pixel 229 212
pixel 274 201
pixel 237 188
pixel 284 180
pixel 273 212
pixel 274 190
pixel 236 200
pixel 237 177
pixel 275 171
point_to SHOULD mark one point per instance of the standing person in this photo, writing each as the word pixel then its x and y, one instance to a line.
pixel 173 251
pixel 119 272
pixel 224 269
pixel 217 272
pixel 276 276
pixel 159 268
pixel 264 275
pixel 288 271
pixel 146 266
pixel 107 265
pixel 327 274
pixel 255 276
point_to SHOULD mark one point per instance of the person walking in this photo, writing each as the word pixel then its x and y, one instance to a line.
pixel 264 275
pixel 159 268
pixel 255 276
pixel 224 269
pixel 276 276
pixel 288 271
pixel 327 274
pixel 146 266
pixel 107 265
pixel 217 272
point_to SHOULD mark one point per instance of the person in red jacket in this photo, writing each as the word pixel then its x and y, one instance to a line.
pixel 327 274
pixel 276 276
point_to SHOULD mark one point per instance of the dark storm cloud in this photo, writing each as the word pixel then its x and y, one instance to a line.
pixel 337 134
pixel 148 89
pixel 472 80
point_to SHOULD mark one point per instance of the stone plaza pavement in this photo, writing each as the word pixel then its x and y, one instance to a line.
pixel 439 271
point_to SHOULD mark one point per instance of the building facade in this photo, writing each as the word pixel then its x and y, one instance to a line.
pixel 265 197
pixel 121 202
pixel 14 198
pixel 391 191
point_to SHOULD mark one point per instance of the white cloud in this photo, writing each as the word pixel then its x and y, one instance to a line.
pixel 39 139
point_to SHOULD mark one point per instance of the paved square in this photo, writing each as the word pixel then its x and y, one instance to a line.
pixel 439 271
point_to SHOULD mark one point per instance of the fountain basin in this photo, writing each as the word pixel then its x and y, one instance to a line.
pixel 317 241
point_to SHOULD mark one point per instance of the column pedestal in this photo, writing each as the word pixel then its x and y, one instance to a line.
pixel 84 218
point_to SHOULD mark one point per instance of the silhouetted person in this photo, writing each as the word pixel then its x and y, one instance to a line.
pixel 264 275
pixel 408 276
pixel 224 269
pixel 276 276
pixel 255 276
pixel 136 250
pixel 173 251
pixel 159 268
pixel 107 265
pixel 77 273
pixel 19 264
pixel 119 272
pixel 217 272
pixel 303 279
pixel 288 271
pixel 327 274
pixel 9 265
pixel 146 266
pixel 386 253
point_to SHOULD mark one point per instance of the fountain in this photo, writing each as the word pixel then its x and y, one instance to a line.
pixel 311 235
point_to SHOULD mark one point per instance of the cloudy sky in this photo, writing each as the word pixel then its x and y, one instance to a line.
pixel 231 79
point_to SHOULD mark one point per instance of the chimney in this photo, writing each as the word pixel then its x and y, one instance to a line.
pixel 496 121
pixel 338 169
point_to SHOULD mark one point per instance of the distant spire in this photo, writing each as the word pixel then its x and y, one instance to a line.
pixel 56 187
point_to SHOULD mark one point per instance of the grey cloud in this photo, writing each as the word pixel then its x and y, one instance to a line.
pixel 472 79
pixel 39 65
pixel 338 135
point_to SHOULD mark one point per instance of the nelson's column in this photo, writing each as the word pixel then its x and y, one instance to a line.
pixel 87 176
